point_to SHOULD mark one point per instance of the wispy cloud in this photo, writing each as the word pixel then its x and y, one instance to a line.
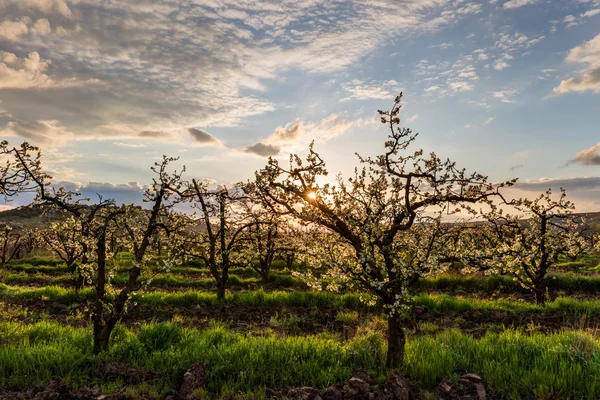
pixel 360 90
pixel 485 123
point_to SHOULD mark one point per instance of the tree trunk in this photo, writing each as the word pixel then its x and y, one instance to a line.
pixel 100 336
pixel 101 339
pixel 289 261
pixel 264 274
pixel 540 296
pixel 264 270
pixel 396 338
pixel 221 290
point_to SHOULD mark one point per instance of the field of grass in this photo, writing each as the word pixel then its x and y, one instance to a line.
pixel 272 335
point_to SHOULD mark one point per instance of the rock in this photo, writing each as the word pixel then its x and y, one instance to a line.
pixel 399 386
pixel 303 393
pixel 472 377
pixel 332 393
pixel 481 394
pixel 444 387
pixel 193 379
pixel 359 385
pixel 477 382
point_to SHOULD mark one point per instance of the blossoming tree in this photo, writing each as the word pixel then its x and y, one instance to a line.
pixel 387 214
pixel 527 242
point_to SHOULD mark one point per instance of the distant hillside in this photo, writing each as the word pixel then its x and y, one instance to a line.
pixel 29 216
pixel 38 216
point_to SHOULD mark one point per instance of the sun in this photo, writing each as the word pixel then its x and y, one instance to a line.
pixel 312 195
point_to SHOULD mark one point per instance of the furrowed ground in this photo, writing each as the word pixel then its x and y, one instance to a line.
pixel 267 337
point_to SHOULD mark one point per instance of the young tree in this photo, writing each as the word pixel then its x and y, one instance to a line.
pixel 97 221
pixel 30 239
pixel 376 212
pixel 526 245
pixel 141 226
pixel 10 244
pixel 220 241
pixel 265 240
pixel 65 239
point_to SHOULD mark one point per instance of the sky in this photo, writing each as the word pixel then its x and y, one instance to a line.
pixel 507 88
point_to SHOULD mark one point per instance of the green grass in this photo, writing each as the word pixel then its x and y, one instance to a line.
pixel 172 280
pixel 515 365
pixel 37 261
pixel 257 298
pixel 436 304
pixel 442 304
pixel 566 282
pixel 34 354
pixel 59 268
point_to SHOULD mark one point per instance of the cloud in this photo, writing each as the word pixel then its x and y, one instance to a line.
pixel 12 30
pixel 263 150
pixel 299 133
pixel 142 65
pixel 130 145
pixel 578 183
pixel 24 73
pixel 589 81
pixel 489 121
pixel 591 13
pixel 499 65
pixel 155 134
pixel 39 132
pixel 125 193
pixel 461 86
pixel 511 42
pixel 588 54
pixel 506 95
pixel 288 133
pixel 360 90
pixel 203 138
pixel 572 20
pixel 583 191
pixel 413 118
pixel 588 157
pixel 518 3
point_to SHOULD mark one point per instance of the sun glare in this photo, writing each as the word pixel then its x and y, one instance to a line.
pixel 312 195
